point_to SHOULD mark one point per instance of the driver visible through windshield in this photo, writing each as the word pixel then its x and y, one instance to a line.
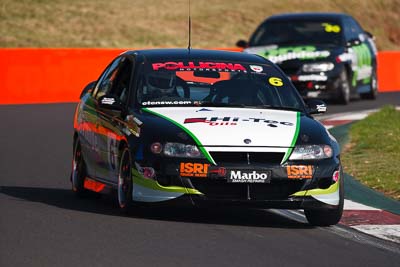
pixel 216 84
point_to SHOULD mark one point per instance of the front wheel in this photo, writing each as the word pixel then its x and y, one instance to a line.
pixel 125 187
pixel 329 216
pixel 372 94
pixel 343 89
pixel 78 174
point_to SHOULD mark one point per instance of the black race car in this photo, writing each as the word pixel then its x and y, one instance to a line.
pixel 204 127
pixel 326 55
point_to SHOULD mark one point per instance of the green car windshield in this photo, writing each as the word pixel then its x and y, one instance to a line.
pixel 298 32
pixel 216 84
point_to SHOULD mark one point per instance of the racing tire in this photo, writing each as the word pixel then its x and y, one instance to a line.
pixel 78 174
pixel 343 88
pixel 125 186
pixel 373 93
pixel 328 217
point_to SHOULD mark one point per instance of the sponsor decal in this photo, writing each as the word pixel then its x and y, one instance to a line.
pixel 299 171
pixel 215 66
pixel 295 52
pixel 362 66
pixel 244 176
pixel 232 121
pixel 331 27
pixel 180 102
pixel 108 101
pixel 256 68
pixel 312 77
pixel 188 169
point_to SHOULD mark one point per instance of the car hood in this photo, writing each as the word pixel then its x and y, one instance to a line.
pixel 234 129
pixel 280 54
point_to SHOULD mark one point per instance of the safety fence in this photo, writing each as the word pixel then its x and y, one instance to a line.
pixel 56 75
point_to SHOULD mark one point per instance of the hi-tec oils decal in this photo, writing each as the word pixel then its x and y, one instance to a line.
pixel 231 121
pixel 215 66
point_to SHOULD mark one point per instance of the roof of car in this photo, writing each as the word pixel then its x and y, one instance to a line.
pixel 308 16
pixel 170 54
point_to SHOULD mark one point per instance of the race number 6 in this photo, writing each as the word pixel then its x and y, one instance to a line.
pixel 275 81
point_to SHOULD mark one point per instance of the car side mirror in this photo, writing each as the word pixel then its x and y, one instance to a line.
pixel 370 35
pixel 316 106
pixel 88 88
pixel 110 102
pixel 242 44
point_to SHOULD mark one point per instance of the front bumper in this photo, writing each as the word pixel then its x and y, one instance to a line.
pixel 318 85
pixel 318 192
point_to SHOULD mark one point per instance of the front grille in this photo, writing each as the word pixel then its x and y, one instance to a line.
pixel 247 157
pixel 221 190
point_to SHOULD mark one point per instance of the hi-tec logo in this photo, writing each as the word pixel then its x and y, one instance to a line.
pixel 232 121
pixel 248 177
pixel 217 66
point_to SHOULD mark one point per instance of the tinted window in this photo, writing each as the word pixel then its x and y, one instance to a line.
pixel 107 79
pixel 207 83
pixel 352 29
pixel 297 32
pixel 120 86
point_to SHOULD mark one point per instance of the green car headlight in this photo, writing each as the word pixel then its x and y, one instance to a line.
pixel 311 152
pixel 182 150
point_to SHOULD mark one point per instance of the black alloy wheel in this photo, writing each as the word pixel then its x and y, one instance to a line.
pixel 343 88
pixel 78 174
pixel 125 187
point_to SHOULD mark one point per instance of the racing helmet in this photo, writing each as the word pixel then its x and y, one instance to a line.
pixel 161 82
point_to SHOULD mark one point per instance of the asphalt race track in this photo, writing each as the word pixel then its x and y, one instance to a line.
pixel 43 224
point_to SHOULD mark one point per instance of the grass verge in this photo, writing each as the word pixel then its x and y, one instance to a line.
pixel 162 23
pixel 373 154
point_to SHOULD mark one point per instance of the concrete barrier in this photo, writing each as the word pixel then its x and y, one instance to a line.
pixel 47 75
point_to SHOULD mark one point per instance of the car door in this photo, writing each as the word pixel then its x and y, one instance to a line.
pixel 91 129
pixel 362 53
pixel 111 123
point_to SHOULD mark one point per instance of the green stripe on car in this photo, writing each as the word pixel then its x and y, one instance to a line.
pixel 197 141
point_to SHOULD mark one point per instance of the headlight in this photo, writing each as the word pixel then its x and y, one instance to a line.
pixel 310 152
pixel 181 150
pixel 318 67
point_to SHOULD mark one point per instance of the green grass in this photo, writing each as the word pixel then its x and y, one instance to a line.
pixel 163 23
pixel 373 155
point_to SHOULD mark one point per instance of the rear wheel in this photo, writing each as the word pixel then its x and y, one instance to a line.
pixel 125 187
pixel 78 174
pixel 343 89
pixel 329 216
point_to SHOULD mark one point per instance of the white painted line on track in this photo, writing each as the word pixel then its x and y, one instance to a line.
pixel 387 232
pixel 351 205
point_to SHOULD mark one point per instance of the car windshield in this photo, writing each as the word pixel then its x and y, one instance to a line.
pixel 297 32
pixel 216 84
